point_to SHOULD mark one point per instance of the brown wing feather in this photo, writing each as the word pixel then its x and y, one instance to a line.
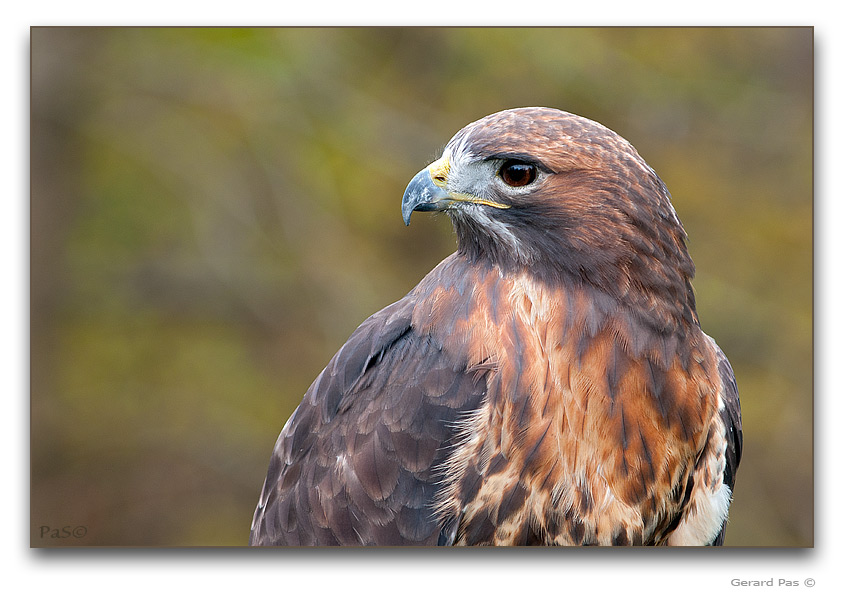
pixel 357 464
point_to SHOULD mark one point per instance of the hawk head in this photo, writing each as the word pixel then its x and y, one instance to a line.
pixel 565 197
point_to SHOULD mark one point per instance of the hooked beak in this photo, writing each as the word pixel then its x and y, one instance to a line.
pixel 423 194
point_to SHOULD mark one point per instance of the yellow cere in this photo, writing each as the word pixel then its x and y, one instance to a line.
pixel 439 171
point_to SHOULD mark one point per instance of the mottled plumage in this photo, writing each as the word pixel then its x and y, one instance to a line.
pixel 548 383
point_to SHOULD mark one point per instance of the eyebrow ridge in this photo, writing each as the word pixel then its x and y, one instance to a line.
pixel 524 157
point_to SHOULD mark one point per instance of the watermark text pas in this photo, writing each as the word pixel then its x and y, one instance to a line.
pixel 61 532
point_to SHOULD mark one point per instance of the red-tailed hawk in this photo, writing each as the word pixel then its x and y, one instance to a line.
pixel 548 383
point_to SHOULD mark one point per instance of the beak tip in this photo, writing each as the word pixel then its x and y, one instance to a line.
pixel 406 211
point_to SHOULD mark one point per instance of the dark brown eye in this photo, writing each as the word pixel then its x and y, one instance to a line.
pixel 517 173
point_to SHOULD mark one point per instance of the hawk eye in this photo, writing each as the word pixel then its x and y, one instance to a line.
pixel 517 173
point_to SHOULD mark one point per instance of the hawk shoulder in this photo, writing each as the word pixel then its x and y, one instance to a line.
pixel 357 463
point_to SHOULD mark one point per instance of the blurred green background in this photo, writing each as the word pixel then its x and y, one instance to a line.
pixel 213 212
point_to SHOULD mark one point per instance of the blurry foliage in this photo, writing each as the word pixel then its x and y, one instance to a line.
pixel 215 210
